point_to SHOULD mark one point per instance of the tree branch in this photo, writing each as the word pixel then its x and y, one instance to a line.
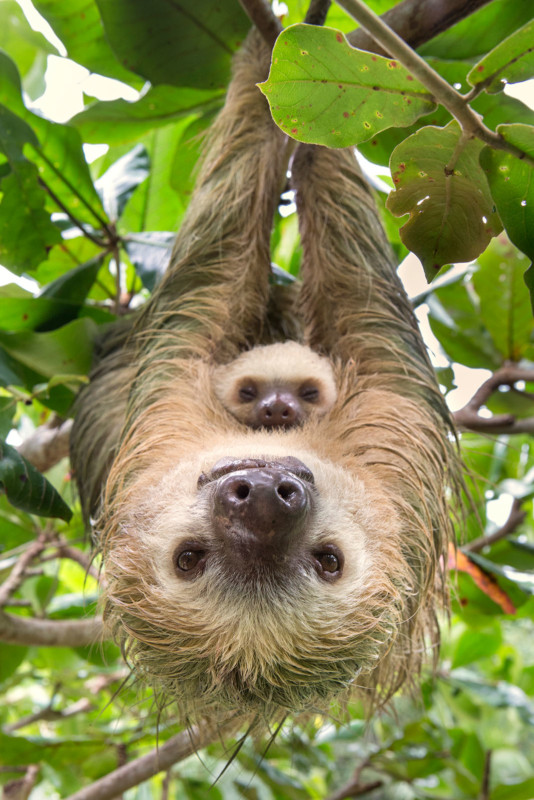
pixel 260 14
pixel 468 417
pixel 162 758
pixel 417 21
pixel 16 576
pixel 485 788
pixel 49 633
pixel 515 518
pixel 48 444
pixel 317 11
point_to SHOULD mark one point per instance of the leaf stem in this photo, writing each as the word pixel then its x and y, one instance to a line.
pixel 443 93
pixel 91 236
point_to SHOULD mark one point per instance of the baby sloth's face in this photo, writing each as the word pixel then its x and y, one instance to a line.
pixel 276 386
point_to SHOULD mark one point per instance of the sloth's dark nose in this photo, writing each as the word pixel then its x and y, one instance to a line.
pixel 262 510
pixel 278 410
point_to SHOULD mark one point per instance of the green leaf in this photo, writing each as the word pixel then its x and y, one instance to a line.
pixel 79 26
pixel 514 791
pixel 452 216
pixel 160 202
pixel 504 299
pixel 27 489
pixel 119 182
pixel 12 657
pixel 479 32
pixel 182 44
pixel 474 645
pixel 455 320
pixel 59 303
pixel 18 39
pixel 25 227
pixel 322 90
pixel 65 351
pixel 74 285
pixel 511 181
pixel 510 62
pixel 120 121
pixel 58 153
pixel 149 253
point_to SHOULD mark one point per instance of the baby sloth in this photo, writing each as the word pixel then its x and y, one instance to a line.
pixel 276 386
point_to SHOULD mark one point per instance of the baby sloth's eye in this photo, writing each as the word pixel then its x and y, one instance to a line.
pixel 248 393
pixel 309 393
pixel 329 562
pixel 188 560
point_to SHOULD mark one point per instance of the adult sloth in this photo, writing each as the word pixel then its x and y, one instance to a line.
pixel 264 569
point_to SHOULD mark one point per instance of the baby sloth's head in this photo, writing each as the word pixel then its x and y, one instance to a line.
pixel 276 386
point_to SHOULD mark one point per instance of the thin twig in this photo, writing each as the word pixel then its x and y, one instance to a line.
pixel 445 94
pixel 485 789
pixel 48 714
pixel 17 574
pixel 468 417
pixel 515 518
pixel 354 789
pixel 76 222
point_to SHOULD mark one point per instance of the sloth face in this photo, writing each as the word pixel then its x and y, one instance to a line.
pixel 247 583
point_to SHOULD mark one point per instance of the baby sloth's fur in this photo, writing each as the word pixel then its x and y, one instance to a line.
pixel 227 612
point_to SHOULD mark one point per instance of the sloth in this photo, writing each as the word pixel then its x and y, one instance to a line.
pixel 255 570
pixel 276 386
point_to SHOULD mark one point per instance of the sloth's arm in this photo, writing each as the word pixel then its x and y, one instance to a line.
pixel 217 283
pixel 352 300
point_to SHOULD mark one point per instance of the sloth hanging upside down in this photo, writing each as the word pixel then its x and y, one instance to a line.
pixel 254 567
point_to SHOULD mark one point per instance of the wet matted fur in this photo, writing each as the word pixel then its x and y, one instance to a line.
pixel 276 639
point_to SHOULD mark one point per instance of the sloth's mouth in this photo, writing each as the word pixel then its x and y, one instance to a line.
pixel 225 466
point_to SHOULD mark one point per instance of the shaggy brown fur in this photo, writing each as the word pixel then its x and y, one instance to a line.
pixel 269 635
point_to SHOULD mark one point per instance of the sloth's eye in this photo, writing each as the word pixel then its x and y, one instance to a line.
pixel 248 393
pixel 329 562
pixel 188 560
pixel 310 394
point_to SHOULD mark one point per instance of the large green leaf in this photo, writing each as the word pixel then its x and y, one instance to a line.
pixel 455 320
pixel 27 489
pixel 25 228
pixel 119 121
pixel 58 153
pixel 188 43
pixel 480 32
pixel 79 26
pixel 149 252
pixel 322 90
pixel 510 62
pixel 439 182
pixel 65 351
pixel 18 39
pixel 514 791
pixel 119 182
pixel 56 305
pixel 511 180
pixel 504 298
